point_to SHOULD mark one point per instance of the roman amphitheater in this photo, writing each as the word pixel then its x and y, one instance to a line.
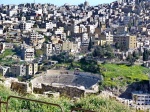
pixel 72 83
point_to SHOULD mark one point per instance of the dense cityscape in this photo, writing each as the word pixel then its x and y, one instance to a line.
pixel 77 50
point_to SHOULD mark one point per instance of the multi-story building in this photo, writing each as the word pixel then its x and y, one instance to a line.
pixel 57 48
pixel 12 12
pixel 127 41
pixel 18 70
pixel 98 30
pixel 4 70
pixel 107 38
pixel 36 39
pixel 84 48
pixel 28 54
pixel 141 98
pixel 85 38
pixel 26 26
pixel 35 68
pixel 67 46
pixel 90 29
pixel 24 69
pixel 59 30
pixel 121 30
pixel 48 25
pixel 131 42
pixel 76 29
pixel 48 49
pixel 148 29
pixel 2 47
pixel 31 69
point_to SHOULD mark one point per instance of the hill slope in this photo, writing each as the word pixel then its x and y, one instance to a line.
pixel 96 103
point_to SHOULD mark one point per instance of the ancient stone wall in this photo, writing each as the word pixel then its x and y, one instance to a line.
pixel 20 87
pixel 69 91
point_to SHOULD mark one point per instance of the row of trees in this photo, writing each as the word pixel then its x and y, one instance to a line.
pixel 120 46
pixel 136 55
pixel 103 51
pixel 146 54
pixel 63 57
pixel 133 57
pixel 89 65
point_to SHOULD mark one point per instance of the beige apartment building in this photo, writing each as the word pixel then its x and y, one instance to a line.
pixel 31 68
pixel 69 46
pixel 128 41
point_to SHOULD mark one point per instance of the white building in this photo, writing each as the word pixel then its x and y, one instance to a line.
pixel 59 30
pixel 31 68
pixel 28 54
pixel 24 9
pixel 76 29
pixel 39 11
pixel 48 25
pixel 85 38
pixel 109 38
pixel 12 12
pixel 36 39
pixel 48 49
pixel 121 30
pixel 141 98
pixel 2 47
pixel 148 29
pixel 1 31
pixel 23 18
pixel 26 26
pixel 126 19
pixel 90 29
pixel 4 70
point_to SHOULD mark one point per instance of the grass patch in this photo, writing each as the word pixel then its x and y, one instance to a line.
pixel 122 75
pixel 7 52
pixel 96 103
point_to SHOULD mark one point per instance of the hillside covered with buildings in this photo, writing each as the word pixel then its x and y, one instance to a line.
pixel 77 50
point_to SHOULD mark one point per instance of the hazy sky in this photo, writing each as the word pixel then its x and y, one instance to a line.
pixel 56 2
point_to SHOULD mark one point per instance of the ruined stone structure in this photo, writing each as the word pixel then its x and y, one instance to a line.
pixel 20 87
pixel 71 84
pixel 63 90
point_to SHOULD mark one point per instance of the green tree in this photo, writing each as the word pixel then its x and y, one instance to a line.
pixel 90 44
pixel 131 59
pixel 145 55
pixel 98 52
pixel 136 55
pixel 17 49
pixel 117 45
pixel 108 48
pixel 110 55
pixel 38 52
pixel 46 38
pixel 63 58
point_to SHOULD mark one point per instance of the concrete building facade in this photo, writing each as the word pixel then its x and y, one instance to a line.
pixel 129 42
